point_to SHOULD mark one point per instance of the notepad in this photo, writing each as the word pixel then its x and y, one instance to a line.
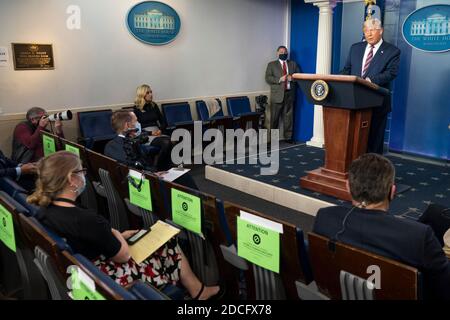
pixel 160 233
pixel 174 173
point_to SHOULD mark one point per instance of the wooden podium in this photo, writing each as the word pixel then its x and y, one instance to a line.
pixel 347 110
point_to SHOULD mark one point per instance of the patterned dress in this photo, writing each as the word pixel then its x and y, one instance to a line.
pixel 161 268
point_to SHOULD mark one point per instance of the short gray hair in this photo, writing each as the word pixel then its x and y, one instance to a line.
pixel 34 112
pixel 373 23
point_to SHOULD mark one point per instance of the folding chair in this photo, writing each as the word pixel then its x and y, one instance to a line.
pixel 239 108
pixel 95 129
pixel 262 283
pixel 19 274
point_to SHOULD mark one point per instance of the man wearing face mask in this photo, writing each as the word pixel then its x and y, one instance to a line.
pixel 27 140
pixel 369 226
pixel 282 92
pixel 126 125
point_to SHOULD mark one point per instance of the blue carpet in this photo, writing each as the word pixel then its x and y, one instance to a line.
pixel 430 183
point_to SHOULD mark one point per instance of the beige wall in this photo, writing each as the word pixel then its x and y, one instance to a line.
pixel 8 122
pixel 222 49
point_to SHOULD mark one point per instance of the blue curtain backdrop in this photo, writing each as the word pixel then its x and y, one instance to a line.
pixel 304 24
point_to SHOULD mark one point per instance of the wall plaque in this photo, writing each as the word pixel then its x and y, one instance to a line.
pixel 31 56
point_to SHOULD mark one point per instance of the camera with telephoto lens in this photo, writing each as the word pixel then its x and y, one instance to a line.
pixel 66 115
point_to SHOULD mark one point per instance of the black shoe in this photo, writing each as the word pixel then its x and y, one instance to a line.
pixel 290 141
pixel 218 296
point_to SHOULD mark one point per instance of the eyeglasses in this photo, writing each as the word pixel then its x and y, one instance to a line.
pixel 84 171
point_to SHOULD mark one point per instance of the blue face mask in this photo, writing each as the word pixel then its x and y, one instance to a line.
pixel 138 127
pixel 81 188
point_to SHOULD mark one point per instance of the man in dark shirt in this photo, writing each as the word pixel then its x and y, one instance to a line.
pixel 368 225
pixel 125 124
pixel 27 140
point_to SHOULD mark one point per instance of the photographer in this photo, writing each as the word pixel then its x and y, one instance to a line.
pixel 27 140
pixel 129 148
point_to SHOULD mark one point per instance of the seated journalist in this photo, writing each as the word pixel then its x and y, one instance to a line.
pixel 368 226
pixel 61 179
pixel 127 127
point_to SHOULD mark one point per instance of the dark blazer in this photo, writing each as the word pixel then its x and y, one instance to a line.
pixel 382 70
pixel 401 239
pixel 115 150
pixel 7 167
pixel 151 117
pixel 274 72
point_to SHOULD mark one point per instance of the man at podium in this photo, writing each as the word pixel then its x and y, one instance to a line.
pixel 376 61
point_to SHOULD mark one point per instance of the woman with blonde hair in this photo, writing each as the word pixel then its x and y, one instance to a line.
pixel 151 119
pixel 61 179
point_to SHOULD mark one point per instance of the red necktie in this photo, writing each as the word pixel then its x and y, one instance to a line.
pixel 285 73
pixel 368 60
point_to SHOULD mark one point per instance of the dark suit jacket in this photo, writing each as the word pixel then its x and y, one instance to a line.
pixel 7 167
pixel 114 149
pixel 401 239
pixel 274 72
pixel 382 70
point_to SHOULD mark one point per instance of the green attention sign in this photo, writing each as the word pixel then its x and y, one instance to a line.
pixel 7 229
pixel 143 197
pixel 258 245
pixel 49 145
pixel 73 149
pixel 81 291
pixel 186 210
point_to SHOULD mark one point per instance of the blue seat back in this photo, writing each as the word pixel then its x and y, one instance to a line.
pixel 13 202
pixel 10 186
pixel 94 124
pixel 144 291
pixel 238 105
pixel 202 110
pixel 176 112
pixel 22 199
pixel 94 270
